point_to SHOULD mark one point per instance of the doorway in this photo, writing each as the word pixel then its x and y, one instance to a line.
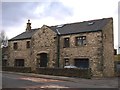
pixel 43 60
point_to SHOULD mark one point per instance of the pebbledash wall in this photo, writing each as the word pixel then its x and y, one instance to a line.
pixel 99 50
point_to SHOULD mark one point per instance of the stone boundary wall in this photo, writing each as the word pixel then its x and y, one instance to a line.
pixel 17 69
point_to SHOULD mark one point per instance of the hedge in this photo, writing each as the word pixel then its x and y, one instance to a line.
pixel 70 72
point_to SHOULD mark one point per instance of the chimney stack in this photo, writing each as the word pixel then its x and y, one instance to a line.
pixel 28 28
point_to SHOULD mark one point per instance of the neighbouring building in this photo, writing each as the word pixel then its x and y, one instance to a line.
pixel 87 44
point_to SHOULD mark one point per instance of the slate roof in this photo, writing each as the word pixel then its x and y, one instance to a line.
pixel 24 35
pixel 79 27
pixel 71 28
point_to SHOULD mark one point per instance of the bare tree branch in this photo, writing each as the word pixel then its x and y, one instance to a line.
pixel 3 39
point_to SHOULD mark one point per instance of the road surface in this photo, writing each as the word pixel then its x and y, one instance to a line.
pixel 10 80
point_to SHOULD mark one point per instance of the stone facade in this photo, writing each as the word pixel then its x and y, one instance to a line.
pixel 21 53
pixel 44 41
pixel 108 49
pixel 47 50
pixel 92 50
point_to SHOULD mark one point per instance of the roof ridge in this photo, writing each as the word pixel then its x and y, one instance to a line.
pixel 83 21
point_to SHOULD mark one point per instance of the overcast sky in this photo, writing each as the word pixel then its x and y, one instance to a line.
pixel 53 12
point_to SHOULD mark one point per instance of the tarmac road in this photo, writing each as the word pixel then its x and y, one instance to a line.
pixel 15 80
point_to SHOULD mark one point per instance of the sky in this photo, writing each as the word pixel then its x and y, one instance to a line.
pixel 54 12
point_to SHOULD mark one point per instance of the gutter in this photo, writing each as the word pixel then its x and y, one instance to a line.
pixel 102 63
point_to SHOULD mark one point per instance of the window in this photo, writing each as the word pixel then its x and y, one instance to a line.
pixel 66 42
pixel 28 44
pixel 81 40
pixel 19 62
pixel 15 46
pixel 66 62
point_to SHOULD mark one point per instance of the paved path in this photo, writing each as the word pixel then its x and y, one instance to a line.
pixel 30 80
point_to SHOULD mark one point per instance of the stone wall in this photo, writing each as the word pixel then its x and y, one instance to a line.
pixel 99 49
pixel 44 41
pixel 92 50
pixel 108 49
pixel 21 53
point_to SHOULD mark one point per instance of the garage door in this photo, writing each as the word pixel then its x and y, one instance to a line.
pixel 82 63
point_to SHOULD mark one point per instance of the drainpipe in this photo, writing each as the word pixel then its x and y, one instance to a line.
pixel 58 47
pixel 102 63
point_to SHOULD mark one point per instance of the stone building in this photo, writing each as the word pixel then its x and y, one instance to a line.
pixel 87 44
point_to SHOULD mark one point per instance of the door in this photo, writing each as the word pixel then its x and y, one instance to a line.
pixel 43 60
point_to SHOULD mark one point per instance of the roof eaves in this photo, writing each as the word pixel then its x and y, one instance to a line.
pixel 80 32
pixel 19 39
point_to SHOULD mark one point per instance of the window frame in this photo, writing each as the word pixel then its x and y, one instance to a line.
pixel 80 40
pixel 66 42
pixel 28 45
pixel 15 45
pixel 66 61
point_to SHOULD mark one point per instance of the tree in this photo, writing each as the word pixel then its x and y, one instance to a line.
pixel 3 39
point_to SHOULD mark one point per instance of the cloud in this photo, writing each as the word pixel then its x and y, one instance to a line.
pixel 119 8
pixel 56 10
pixel 14 12
pixel 53 9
